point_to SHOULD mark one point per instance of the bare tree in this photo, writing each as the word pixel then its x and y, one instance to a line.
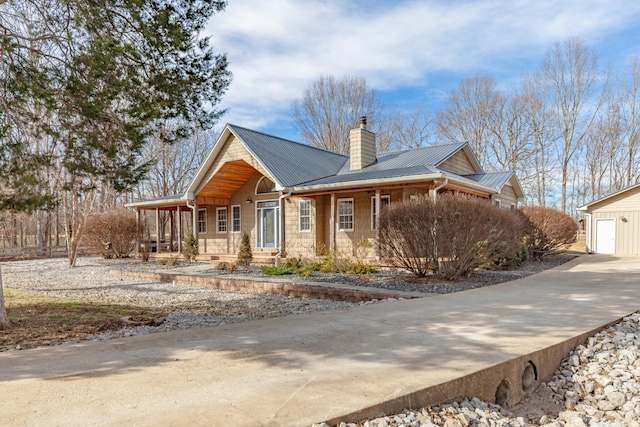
pixel 330 107
pixel 469 113
pixel 414 129
pixel 576 92
pixel 602 145
pixel 630 103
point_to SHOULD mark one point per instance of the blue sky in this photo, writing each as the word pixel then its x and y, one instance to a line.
pixel 412 52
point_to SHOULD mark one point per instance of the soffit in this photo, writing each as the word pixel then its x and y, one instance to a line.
pixel 228 179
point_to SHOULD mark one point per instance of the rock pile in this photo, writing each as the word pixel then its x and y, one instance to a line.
pixel 597 385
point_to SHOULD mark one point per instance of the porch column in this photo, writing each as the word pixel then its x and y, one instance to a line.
pixel 377 224
pixel 138 230
pixel 332 224
pixel 158 249
pixel 171 233
pixel 179 230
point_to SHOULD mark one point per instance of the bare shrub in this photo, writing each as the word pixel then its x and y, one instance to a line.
pixel 471 231
pixel 407 235
pixel 548 231
pixel 111 234
pixel 452 236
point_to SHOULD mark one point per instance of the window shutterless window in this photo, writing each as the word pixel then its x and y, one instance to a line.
pixel 235 219
pixel 345 214
pixel 384 202
pixel 498 203
pixel 304 215
pixel 221 215
pixel 202 221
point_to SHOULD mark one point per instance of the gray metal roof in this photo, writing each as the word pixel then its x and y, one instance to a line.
pixel 491 179
pixel 289 162
pixel 417 161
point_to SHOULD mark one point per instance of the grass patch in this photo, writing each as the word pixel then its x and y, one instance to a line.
pixel 40 320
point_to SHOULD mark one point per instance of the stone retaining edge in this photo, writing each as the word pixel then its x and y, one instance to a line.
pixel 266 287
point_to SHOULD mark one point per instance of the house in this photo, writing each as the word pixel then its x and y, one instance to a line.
pixel 613 223
pixel 292 196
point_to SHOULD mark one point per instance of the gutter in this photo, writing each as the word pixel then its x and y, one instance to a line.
pixel 395 180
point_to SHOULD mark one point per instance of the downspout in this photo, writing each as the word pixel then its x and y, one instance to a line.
pixel 588 236
pixel 439 187
pixel 285 194
pixel 194 214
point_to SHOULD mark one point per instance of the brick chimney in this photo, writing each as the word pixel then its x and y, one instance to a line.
pixel 362 146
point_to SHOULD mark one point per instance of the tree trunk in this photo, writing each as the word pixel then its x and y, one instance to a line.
pixel 4 318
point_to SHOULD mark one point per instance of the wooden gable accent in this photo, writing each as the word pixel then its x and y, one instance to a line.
pixel 226 182
pixel 234 154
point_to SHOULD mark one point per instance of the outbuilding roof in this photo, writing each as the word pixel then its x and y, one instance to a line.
pixel 602 199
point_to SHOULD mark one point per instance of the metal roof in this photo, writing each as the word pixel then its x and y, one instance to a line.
pixel 491 179
pixel 289 162
pixel 417 161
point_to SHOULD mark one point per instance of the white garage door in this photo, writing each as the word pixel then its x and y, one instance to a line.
pixel 606 236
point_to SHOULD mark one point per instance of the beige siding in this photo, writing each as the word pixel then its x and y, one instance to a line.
pixel 458 163
pixel 299 243
pixel 232 150
pixel 625 205
pixel 506 197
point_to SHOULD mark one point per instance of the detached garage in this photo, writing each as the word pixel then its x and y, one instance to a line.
pixel 613 223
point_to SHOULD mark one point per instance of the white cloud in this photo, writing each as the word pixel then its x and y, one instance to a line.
pixel 278 48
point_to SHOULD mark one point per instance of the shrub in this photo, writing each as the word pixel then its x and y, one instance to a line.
pixel 226 266
pixel 245 256
pixel 190 247
pixel 273 270
pixel 453 235
pixel 111 234
pixel 548 231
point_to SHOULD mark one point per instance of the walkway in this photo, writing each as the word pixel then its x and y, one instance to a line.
pixel 298 370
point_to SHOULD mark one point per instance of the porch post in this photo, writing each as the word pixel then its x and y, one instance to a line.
pixel 332 224
pixel 158 249
pixel 138 230
pixel 179 230
pixel 377 224
pixel 171 233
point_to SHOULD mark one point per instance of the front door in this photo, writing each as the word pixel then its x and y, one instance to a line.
pixel 267 224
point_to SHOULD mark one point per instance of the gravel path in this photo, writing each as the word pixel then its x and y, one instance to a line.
pixel 189 306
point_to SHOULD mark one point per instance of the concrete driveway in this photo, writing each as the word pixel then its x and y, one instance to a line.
pixel 298 370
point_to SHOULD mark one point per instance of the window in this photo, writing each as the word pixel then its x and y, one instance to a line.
pixel 384 202
pixel 345 214
pixel 498 203
pixel 235 219
pixel 265 185
pixel 305 215
pixel 202 221
pixel 513 206
pixel 221 220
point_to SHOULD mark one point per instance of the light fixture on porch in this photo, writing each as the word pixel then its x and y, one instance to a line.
pixel 249 200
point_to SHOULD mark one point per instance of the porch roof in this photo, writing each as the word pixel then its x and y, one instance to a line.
pixel 159 202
